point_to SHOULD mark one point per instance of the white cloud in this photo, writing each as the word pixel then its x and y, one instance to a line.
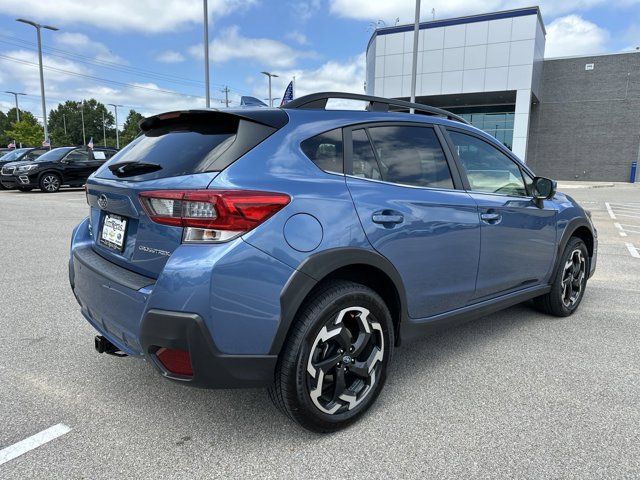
pixel 299 38
pixel 170 56
pixel 388 10
pixel 230 44
pixel 142 15
pixel 332 76
pixel 80 42
pixel 304 10
pixel 573 35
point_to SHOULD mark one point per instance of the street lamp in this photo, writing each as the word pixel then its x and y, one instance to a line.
pixel 81 106
pixel 37 26
pixel 15 94
pixel 206 53
pixel 115 106
pixel 270 75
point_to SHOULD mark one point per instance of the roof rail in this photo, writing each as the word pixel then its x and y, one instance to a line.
pixel 376 104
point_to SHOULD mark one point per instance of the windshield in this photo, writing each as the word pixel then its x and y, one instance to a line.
pixel 14 155
pixel 53 155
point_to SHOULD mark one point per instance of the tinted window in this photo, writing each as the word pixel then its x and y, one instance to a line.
pixel 33 154
pixel 325 150
pixel 54 155
pixel 487 168
pixel 364 160
pixel 78 156
pixel 411 156
pixel 179 149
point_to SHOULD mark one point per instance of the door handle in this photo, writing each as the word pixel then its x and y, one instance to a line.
pixel 387 217
pixel 491 217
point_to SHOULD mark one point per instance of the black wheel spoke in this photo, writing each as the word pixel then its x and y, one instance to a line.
pixel 361 369
pixel 328 363
pixel 340 384
pixel 361 342
pixel 344 338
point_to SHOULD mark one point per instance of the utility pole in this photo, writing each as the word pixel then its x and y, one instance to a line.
pixel 104 131
pixel 206 53
pixel 115 106
pixel 37 26
pixel 270 75
pixel 225 90
pixel 15 94
pixel 414 67
pixel 84 137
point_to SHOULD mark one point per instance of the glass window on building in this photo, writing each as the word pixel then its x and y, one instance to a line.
pixel 496 121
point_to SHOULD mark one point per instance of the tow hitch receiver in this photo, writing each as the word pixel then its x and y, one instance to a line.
pixel 105 346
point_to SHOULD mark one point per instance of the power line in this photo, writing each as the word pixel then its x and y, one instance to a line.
pixel 111 64
pixel 98 79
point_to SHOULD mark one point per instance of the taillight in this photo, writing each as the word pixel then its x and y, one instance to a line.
pixel 212 215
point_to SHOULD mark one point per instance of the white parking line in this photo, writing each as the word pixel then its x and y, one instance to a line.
pixel 620 229
pixel 611 214
pixel 633 250
pixel 32 442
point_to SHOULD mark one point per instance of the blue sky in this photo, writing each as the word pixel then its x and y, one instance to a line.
pixel 147 54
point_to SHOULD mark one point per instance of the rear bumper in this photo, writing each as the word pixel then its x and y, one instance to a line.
pixel 226 318
pixel 211 368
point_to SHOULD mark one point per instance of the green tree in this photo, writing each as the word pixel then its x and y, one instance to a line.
pixel 130 129
pixel 67 117
pixel 6 120
pixel 27 133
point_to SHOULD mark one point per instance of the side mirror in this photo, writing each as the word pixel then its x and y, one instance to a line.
pixel 544 188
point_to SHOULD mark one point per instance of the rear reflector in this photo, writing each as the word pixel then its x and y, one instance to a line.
pixel 221 214
pixel 175 361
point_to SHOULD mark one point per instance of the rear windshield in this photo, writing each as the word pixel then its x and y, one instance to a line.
pixel 176 150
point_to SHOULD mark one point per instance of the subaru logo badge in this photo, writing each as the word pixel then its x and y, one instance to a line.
pixel 103 201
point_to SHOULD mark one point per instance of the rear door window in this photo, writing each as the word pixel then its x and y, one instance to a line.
pixel 411 155
pixel 364 160
pixel 325 150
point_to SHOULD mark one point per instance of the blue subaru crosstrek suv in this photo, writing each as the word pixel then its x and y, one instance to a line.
pixel 294 248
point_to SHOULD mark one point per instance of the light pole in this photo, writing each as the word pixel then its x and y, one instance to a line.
pixel 270 75
pixel 15 94
pixel 104 131
pixel 206 53
pixel 38 27
pixel 84 137
pixel 414 66
pixel 115 106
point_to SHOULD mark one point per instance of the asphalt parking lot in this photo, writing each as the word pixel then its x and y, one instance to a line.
pixel 517 394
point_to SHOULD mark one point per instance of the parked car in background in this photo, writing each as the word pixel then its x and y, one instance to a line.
pixel 295 248
pixel 18 155
pixel 60 166
pixel 4 151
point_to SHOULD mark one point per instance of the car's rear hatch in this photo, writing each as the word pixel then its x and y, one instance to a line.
pixel 176 151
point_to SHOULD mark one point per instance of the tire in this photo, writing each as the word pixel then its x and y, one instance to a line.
pixel 25 189
pixel 50 182
pixel 569 283
pixel 347 328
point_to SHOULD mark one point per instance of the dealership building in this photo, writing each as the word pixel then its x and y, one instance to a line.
pixel 570 118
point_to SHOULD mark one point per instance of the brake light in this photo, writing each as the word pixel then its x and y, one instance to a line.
pixel 212 215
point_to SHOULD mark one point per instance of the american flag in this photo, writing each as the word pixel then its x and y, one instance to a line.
pixel 46 143
pixel 90 144
pixel 288 94
pixel 12 145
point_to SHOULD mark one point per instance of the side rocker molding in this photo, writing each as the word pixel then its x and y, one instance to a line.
pixel 316 267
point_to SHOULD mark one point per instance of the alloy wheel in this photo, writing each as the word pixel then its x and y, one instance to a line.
pixel 51 183
pixel 345 359
pixel 573 278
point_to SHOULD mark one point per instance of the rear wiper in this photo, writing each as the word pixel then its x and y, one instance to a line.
pixel 128 169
